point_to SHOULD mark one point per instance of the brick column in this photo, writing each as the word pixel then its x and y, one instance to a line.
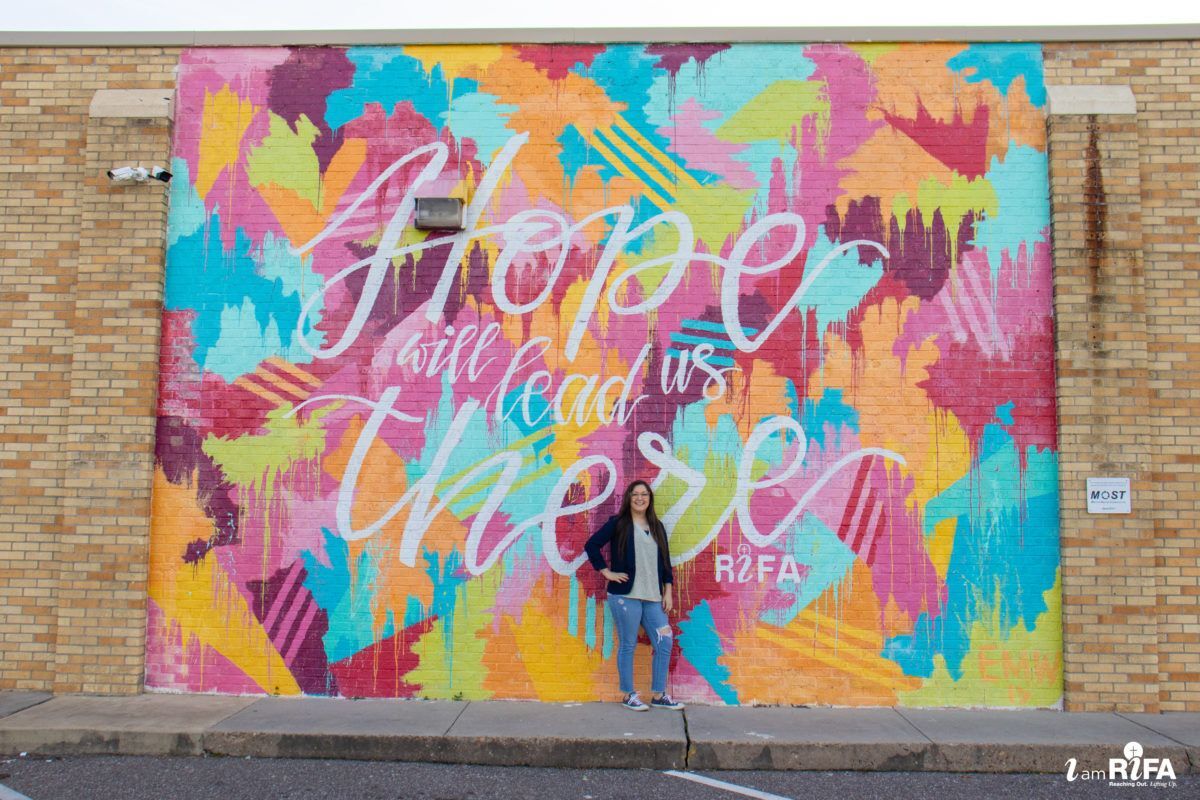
pixel 114 377
pixel 1109 594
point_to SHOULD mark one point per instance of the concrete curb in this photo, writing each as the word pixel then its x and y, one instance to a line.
pixel 593 735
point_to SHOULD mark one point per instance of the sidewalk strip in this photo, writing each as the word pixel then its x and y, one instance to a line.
pixel 729 787
pixel 10 794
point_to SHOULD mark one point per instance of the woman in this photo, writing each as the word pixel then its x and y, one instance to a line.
pixel 639 589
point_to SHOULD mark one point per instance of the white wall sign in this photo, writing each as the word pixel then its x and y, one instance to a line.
pixel 1108 496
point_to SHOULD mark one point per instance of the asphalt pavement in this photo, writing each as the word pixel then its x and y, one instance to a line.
pixel 209 778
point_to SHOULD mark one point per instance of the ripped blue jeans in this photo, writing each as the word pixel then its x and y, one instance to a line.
pixel 627 615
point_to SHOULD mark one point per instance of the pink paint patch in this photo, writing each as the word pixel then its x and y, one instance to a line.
pixel 702 150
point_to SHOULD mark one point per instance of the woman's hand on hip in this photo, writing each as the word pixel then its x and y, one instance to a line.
pixel 615 577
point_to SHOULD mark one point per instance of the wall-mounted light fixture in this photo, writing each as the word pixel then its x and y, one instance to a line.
pixel 138 174
pixel 439 214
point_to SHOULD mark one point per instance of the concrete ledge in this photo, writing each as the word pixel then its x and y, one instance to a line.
pixel 131 104
pixel 804 738
pixel 149 725
pixel 1180 726
pixel 311 727
pixel 583 735
pixel 1083 100
pixel 12 702
pixel 1033 741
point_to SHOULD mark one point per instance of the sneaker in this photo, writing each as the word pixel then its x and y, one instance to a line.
pixel 634 703
pixel 666 701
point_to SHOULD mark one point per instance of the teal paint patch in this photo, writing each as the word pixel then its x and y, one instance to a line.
pixel 700 644
pixel 829 412
pixel 626 75
pixel 351 625
pixel 387 76
pixel 225 288
pixel 1022 187
pixel 540 418
pixel 589 631
pixel 449 581
pixel 826 559
pixel 610 635
pixel 1006 554
pixel 483 438
pixel 187 214
pixel 695 443
pixel 1000 64
pixel 479 117
pixel 241 344
pixel 727 81
pixel 573 606
pixel 414 611
pixel 575 154
pixel 841 286
pixel 296 277
pixel 1004 412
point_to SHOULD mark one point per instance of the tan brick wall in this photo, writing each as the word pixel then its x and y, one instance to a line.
pixel 1132 612
pixel 78 361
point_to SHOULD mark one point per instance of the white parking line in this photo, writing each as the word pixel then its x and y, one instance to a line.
pixel 10 794
pixel 729 787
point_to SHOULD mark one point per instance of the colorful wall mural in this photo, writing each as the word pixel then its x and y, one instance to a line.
pixel 803 289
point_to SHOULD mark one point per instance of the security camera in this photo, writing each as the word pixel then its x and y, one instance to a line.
pixel 138 174
pixel 127 174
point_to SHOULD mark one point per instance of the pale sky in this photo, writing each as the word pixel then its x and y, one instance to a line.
pixel 144 15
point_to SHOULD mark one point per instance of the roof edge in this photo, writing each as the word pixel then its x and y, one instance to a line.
pixel 1016 33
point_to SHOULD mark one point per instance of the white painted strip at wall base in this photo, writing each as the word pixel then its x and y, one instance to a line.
pixel 745 791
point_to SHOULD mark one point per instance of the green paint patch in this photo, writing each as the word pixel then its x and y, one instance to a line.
pixel 257 460
pixel 869 51
pixel 451 654
pixel 901 205
pixel 286 159
pixel 778 110
pixel 1014 667
pixel 717 212
pixel 954 201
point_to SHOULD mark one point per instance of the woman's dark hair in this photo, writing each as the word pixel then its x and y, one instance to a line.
pixel 625 524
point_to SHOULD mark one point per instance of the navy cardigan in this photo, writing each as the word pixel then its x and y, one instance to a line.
pixel 627 564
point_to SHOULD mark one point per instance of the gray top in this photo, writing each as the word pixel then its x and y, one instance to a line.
pixel 645 579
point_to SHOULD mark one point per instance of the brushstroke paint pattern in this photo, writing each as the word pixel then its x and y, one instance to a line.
pixel 805 290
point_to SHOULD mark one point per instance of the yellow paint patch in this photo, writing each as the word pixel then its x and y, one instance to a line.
pixel 559 666
pixel 226 116
pixel 941 545
pixel 200 599
pixel 455 60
